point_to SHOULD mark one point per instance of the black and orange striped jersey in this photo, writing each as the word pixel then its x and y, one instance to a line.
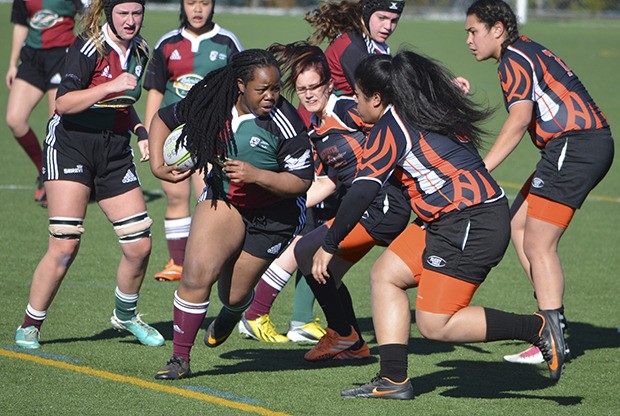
pixel 530 72
pixel 339 141
pixel 436 173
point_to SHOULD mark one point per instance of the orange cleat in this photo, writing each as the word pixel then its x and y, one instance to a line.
pixel 331 345
pixel 170 273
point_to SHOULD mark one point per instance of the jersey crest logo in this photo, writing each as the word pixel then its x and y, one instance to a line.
pixel 436 261
pixel 213 55
pixel 184 83
pixel 44 19
pixel 138 71
pixel 255 141
pixel 175 55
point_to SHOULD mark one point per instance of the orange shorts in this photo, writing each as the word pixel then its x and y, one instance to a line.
pixel 355 245
pixel 409 246
pixel 442 294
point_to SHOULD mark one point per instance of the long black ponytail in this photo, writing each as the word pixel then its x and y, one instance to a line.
pixel 424 94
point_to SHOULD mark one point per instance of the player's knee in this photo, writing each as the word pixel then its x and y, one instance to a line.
pixel 134 228
pixel 65 228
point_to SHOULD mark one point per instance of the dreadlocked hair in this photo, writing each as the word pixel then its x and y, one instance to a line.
pixel 424 94
pixel 490 12
pixel 334 18
pixel 207 108
pixel 297 57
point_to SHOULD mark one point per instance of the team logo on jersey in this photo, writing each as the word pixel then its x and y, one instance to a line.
pixel 175 55
pixel 302 162
pixel 122 101
pixel 44 19
pixel 255 141
pixel 435 261
pixel 184 83
pixel 106 72
pixel 138 70
pixel 538 183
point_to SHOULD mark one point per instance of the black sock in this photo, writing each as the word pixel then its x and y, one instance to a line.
pixel 347 305
pixel 327 297
pixel 505 325
pixel 393 361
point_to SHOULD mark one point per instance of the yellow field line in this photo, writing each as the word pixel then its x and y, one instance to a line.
pixel 142 383
pixel 601 198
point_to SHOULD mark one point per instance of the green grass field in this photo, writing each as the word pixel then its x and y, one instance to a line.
pixel 84 367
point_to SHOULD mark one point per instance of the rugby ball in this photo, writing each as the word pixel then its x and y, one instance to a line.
pixel 178 157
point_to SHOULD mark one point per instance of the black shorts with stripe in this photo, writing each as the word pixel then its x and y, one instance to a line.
pixel 467 244
pixel 103 161
pixel 572 165
pixel 41 68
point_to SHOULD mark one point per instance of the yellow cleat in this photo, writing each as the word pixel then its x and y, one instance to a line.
pixel 261 329
pixel 310 332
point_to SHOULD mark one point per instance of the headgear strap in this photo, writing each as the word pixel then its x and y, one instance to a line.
pixel 371 6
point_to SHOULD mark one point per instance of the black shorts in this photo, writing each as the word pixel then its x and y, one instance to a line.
pixel 103 161
pixel 41 68
pixel 387 216
pixel 467 244
pixel 572 165
pixel 268 230
pixel 315 217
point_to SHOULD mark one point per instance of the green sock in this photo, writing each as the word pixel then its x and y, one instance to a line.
pixel 125 305
pixel 304 300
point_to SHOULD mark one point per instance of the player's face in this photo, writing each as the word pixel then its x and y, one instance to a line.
pixel 382 25
pixel 259 95
pixel 370 108
pixel 127 19
pixel 313 93
pixel 482 41
pixel 198 12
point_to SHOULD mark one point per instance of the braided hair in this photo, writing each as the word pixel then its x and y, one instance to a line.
pixel 207 108
pixel 490 12
pixel 334 18
pixel 297 57
pixel 424 94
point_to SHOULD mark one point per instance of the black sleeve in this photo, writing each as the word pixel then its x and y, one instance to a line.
pixel 349 60
pixel 356 201
pixel 19 13
pixel 78 69
pixel 157 72
pixel 80 5
pixel 169 116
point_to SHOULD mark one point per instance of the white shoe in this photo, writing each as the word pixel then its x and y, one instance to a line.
pixel 530 356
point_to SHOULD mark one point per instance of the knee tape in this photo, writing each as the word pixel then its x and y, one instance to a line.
pixel 64 228
pixel 133 228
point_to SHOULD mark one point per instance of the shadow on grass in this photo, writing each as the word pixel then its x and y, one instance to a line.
pixel 490 380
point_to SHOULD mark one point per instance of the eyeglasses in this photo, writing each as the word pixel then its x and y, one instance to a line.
pixel 311 88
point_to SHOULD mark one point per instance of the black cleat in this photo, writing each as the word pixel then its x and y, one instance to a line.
pixel 176 368
pixel 382 388
pixel 213 339
pixel 551 342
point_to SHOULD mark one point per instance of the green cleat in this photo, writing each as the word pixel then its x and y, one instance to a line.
pixel 28 337
pixel 145 333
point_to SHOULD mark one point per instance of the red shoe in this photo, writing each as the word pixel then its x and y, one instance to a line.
pixel 170 273
pixel 39 192
pixel 331 344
